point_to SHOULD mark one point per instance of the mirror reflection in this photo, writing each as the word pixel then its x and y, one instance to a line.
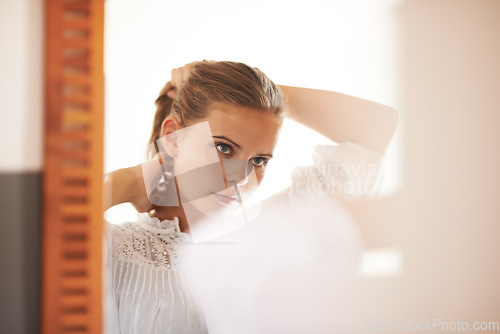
pixel 200 223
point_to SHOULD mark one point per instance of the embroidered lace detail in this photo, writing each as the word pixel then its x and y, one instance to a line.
pixel 146 219
pixel 149 241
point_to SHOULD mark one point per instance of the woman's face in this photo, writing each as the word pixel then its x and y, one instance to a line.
pixel 245 134
pixel 220 164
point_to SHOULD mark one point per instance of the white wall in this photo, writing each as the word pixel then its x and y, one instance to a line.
pixel 21 111
pixel 21 85
pixel 449 211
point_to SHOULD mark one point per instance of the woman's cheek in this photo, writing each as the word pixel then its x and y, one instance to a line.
pixel 259 174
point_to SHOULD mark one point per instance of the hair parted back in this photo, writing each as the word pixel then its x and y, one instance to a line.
pixel 217 82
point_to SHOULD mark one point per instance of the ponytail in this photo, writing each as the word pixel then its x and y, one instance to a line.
pixel 163 110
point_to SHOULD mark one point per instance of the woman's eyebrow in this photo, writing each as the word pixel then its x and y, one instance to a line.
pixel 229 140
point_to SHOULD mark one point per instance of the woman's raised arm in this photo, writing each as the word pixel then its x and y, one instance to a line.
pixel 342 117
pixel 126 185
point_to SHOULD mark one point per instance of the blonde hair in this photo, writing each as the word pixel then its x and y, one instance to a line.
pixel 213 82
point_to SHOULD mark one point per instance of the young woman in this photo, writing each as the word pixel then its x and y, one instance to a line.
pixel 244 111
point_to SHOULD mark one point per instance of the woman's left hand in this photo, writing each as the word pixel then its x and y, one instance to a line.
pixel 126 185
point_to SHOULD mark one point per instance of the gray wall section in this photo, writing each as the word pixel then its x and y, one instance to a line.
pixel 20 252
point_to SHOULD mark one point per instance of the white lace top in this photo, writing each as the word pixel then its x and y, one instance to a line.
pixel 147 291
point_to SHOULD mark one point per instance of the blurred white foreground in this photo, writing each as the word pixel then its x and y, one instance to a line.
pixel 291 271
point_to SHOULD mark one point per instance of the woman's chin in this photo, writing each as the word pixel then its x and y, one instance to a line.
pixel 217 214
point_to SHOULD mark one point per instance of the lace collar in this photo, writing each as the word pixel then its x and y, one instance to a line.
pixel 156 225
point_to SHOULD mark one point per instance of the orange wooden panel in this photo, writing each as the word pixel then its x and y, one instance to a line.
pixel 76 80
pixel 74 265
pixel 74 172
pixel 75 98
pixel 70 192
pixel 76 43
pixel 73 167
pixel 74 300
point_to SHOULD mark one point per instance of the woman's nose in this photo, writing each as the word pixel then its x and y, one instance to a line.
pixel 236 171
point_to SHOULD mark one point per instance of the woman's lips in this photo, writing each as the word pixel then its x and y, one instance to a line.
pixel 227 200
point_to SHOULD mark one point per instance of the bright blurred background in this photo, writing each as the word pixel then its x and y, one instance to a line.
pixel 344 46
pixel 436 61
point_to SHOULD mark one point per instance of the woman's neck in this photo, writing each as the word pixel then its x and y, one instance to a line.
pixel 170 212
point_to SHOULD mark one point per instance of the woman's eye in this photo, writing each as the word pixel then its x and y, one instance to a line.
pixel 223 148
pixel 259 161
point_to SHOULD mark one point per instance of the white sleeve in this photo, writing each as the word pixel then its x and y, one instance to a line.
pixel 346 171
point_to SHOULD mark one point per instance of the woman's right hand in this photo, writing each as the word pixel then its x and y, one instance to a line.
pixel 180 75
